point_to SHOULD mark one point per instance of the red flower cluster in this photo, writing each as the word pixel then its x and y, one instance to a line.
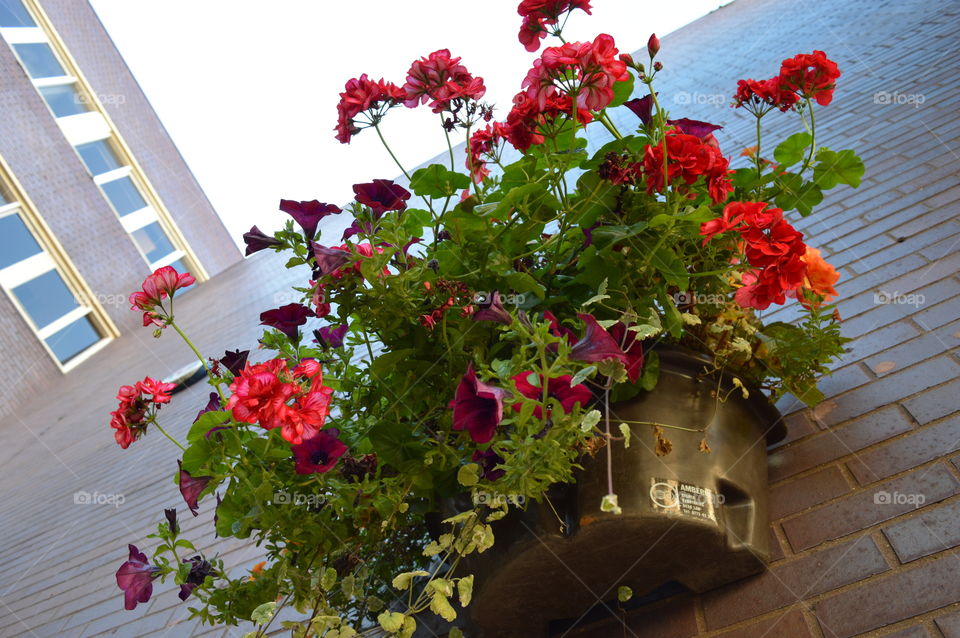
pixel 584 70
pixel 558 388
pixel 538 14
pixel 440 80
pixel 360 95
pixel 274 396
pixel 365 251
pixel 484 142
pixel 802 76
pixel 163 283
pixel 688 157
pixel 455 290
pixel 130 419
pixel 526 116
pixel 776 250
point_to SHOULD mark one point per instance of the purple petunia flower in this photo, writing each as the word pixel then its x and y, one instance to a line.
pixel 234 361
pixel 191 487
pixel 287 319
pixel 596 344
pixel 477 407
pixel 171 514
pixel 631 346
pixel 256 240
pixel 319 453
pixel 212 406
pixel 308 214
pixel 199 570
pixel 329 259
pixel 694 127
pixel 356 228
pixel 381 195
pixel 331 336
pixel 642 107
pixel 135 578
pixel 488 461
pixel 491 309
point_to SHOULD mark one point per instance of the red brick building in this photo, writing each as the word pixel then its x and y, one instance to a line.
pixel 93 194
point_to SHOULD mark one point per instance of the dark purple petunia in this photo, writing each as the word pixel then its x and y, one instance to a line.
pixel 331 336
pixel 287 319
pixel 235 361
pixel 642 107
pixel 477 407
pixel 633 347
pixel 694 127
pixel 171 515
pixel 256 240
pixel 406 246
pixel 212 406
pixel 488 461
pixel 356 228
pixel 596 344
pixel 135 578
pixel 559 330
pixel 199 570
pixel 381 195
pixel 491 309
pixel 329 259
pixel 308 214
pixel 319 453
pixel 191 487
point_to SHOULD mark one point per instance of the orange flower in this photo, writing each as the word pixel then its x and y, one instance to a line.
pixel 820 276
pixel 256 570
pixel 749 151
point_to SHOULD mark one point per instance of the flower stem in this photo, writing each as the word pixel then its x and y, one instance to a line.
pixel 167 434
pixel 203 361
pixel 383 140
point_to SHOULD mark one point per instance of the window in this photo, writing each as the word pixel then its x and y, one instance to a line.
pixel 36 283
pixel 14 14
pixel 99 157
pixel 153 242
pixel 39 60
pixel 124 196
pixel 63 100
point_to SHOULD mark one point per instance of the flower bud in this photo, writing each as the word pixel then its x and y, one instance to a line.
pixel 653 45
pixel 627 59
pixel 657 66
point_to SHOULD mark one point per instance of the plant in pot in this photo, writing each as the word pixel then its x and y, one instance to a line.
pixel 550 356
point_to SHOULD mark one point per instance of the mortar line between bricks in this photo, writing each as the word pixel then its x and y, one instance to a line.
pixel 886 549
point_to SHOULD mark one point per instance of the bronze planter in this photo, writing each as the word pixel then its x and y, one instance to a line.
pixel 693 519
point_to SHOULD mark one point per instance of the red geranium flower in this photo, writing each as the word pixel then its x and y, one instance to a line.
pixel 538 14
pixel 688 158
pixel 759 97
pixel 364 95
pixel 440 80
pixel 558 387
pixel 810 75
pixel 260 395
pixel 163 283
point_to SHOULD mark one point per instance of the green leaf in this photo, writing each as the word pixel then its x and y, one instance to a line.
pixel 402 581
pixel 651 372
pixel 533 201
pixel 624 593
pixel 590 420
pixel 626 434
pixel 792 150
pixel 263 613
pixel 329 579
pixel 469 475
pixel 205 423
pixel 465 590
pixel 834 168
pixel 442 607
pixel 610 234
pixel 437 181
pixel 622 92
pixel 798 194
pixel 582 375
pixel 391 621
pixel 523 282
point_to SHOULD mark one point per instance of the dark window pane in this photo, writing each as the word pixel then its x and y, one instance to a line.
pixel 181 267
pixel 16 241
pixel 63 100
pixel 123 195
pixel 153 242
pixel 98 156
pixel 45 298
pixel 13 14
pixel 74 339
pixel 39 59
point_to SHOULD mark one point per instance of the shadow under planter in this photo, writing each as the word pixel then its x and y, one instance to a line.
pixel 691 519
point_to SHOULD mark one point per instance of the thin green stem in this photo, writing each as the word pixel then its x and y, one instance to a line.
pixel 383 141
pixel 186 339
pixel 166 434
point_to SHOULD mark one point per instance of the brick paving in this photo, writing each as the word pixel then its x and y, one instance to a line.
pixel 845 563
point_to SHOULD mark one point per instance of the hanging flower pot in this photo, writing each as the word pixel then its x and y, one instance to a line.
pixel 692 493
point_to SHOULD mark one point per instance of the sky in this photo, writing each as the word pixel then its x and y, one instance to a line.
pixel 248 90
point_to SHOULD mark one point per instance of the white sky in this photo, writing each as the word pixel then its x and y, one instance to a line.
pixel 248 89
